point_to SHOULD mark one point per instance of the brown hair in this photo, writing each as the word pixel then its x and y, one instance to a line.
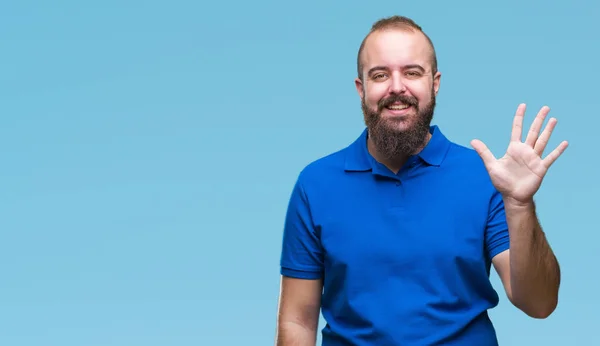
pixel 395 22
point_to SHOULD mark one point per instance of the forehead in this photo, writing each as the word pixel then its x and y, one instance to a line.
pixel 397 48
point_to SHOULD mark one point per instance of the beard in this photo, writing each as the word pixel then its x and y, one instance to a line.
pixel 391 142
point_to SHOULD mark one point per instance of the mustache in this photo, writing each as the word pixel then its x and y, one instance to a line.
pixel 409 100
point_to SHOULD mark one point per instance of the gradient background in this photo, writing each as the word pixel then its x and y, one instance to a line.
pixel 148 150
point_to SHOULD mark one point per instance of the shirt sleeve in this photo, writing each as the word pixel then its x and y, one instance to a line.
pixel 496 234
pixel 301 253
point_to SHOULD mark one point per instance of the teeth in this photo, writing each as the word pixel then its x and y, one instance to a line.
pixel 398 107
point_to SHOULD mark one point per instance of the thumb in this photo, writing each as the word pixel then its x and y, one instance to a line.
pixel 483 151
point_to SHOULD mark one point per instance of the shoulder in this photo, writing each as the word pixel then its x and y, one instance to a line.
pixel 316 180
pixel 323 169
pixel 465 155
pixel 324 176
pixel 466 163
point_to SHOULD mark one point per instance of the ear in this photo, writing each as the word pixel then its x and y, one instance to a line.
pixel 436 82
pixel 359 87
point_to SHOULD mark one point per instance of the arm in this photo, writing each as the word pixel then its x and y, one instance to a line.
pixel 302 274
pixel 529 271
pixel 298 312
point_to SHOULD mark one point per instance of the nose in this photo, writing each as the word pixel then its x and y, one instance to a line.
pixel 397 86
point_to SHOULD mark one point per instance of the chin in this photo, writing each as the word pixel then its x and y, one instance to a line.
pixel 399 123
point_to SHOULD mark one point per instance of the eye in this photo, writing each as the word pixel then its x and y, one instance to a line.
pixel 413 73
pixel 379 76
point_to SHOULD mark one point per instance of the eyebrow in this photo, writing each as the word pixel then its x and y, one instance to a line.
pixel 418 67
pixel 376 68
pixel 407 67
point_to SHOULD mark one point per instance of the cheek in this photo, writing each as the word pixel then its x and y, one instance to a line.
pixel 374 94
pixel 424 90
pixel 423 93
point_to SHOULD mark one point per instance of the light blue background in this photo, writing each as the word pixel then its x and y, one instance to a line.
pixel 148 150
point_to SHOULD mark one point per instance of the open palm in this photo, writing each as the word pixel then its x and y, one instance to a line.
pixel 519 173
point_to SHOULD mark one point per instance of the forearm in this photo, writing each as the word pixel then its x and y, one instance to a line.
pixel 534 270
pixel 295 334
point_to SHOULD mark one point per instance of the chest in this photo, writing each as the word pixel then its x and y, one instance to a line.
pixel 396 230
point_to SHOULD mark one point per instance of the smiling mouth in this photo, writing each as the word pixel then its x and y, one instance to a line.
pixel 397 107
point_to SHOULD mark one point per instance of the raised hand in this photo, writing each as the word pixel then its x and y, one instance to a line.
pixel 519 173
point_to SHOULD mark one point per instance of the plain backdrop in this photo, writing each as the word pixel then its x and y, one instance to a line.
pixel 148 150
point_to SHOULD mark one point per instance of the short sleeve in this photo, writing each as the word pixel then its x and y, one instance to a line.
pixel 496 233
pixel 301 253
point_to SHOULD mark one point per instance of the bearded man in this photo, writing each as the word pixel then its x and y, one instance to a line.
pixel 393 237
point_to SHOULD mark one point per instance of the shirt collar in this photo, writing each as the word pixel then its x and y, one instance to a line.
pixel 435 151
pixel 358 157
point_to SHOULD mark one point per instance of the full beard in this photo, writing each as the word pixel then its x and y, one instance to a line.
pixel 391 142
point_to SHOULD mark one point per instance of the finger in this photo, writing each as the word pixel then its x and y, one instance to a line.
pixel 541 143
pixel 534 130
pixel 555 154
pixel 483 151
pixel 517 129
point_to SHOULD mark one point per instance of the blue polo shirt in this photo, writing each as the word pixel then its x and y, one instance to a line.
pixel 405 258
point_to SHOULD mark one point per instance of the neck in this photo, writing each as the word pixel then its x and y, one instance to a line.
pixel 394 164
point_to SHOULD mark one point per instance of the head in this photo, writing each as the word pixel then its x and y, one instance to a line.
pixel 397 82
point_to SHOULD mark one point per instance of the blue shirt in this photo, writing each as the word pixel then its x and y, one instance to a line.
pixel 405 258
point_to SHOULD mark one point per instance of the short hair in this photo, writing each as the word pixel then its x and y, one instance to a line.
pixel 395 22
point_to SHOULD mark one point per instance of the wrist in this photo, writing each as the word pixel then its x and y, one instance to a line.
pixel 513 205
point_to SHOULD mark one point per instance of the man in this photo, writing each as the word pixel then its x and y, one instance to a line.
pixel 393 237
